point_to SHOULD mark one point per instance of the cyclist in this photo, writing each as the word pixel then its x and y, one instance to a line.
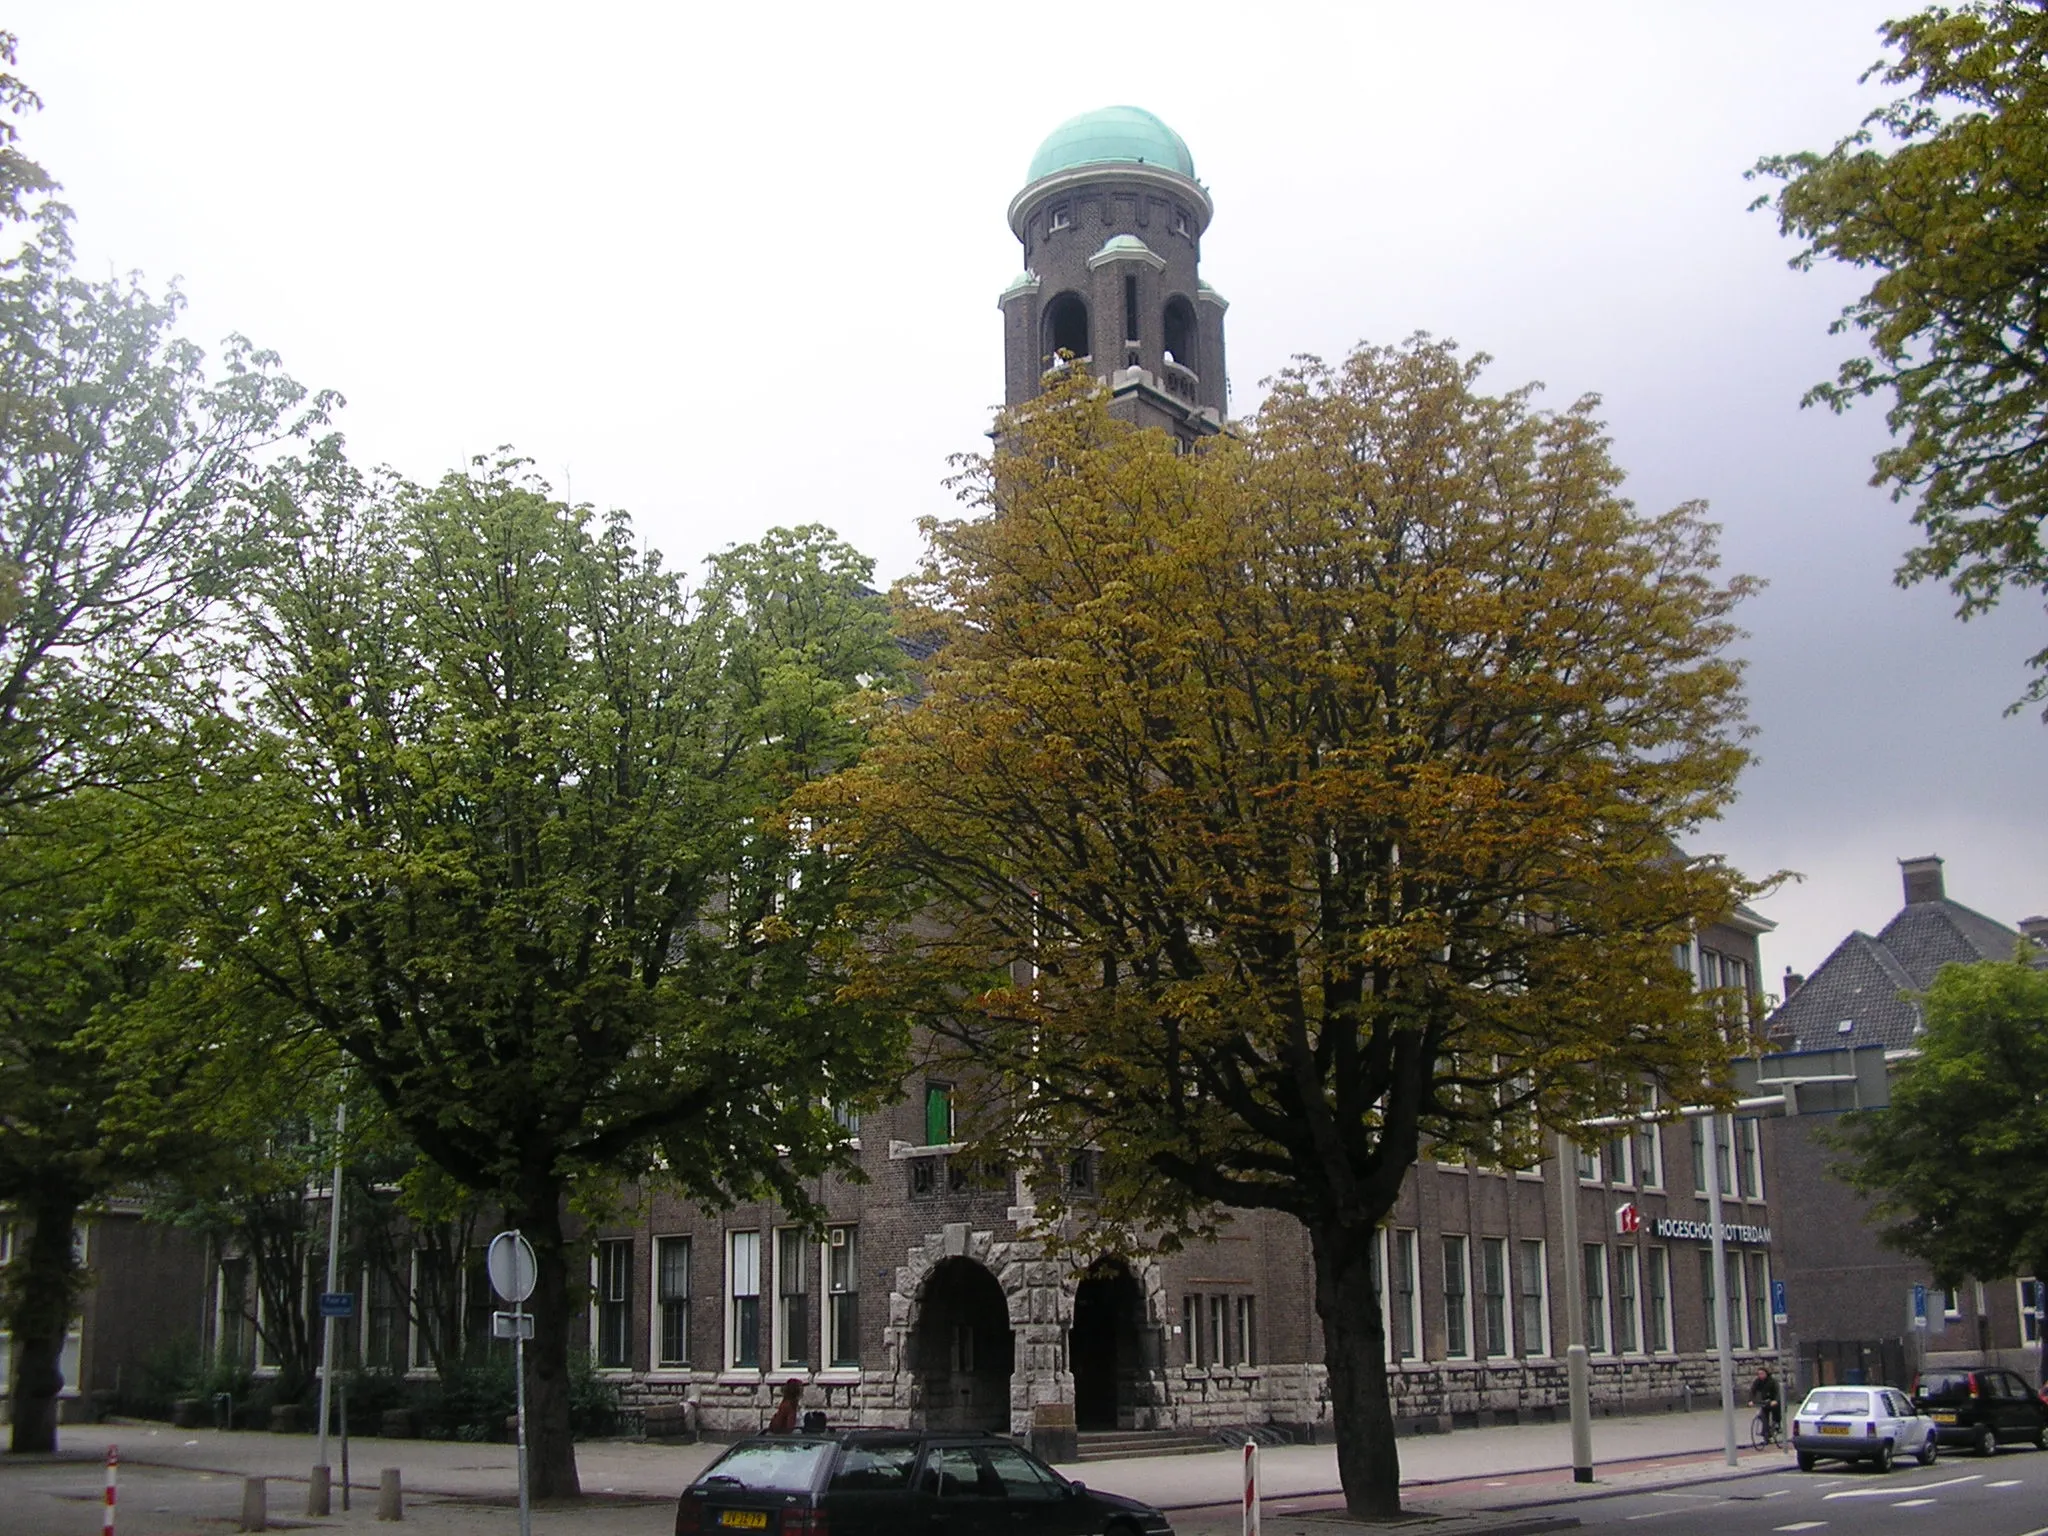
pixel 1763 1391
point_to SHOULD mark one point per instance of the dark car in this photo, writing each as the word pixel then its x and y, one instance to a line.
pixel 879 1482
pixel 1982 1408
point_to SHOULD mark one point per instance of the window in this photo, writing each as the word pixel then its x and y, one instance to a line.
pixel 792 1298
pixel 1181 223
pixel 614 1302
pixel 672 1299
pixel 1081 1172
pixel 1066 328
pixel 1625 1301
pixel 842 1289
pixel 1247 1331
pixel 846 1117
pixel 1534 1296
pixel 384 1341
pixel 1596 1297
pixel 1724 1148
pixel 433 1298
pixel 231 1315
pixel 1708 1301
pixel 2030 1310
pixel 1493 1291
pixel 1457 1304
pixel 1023 1480
pixel 1407 1322
pixel 938 1114
pixel 1737 1337
pixel 743 1279
pixel 1749 1144
pixel 924 1176
pixel 1130 306
pixel 1659 1289
pixel 1618 1147
pixel 1697 1126
pixel 1191 1329
pixel 1589 1165
pixel 1181 332
pixel 1213 1349
pixel 1060 218
pixel 1758 1292
pixel 1951 1303
pixel 1650 1155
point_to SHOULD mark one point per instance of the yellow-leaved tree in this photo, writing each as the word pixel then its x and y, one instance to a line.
pixel 1288 805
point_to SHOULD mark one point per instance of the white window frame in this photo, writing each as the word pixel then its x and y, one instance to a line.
pixel 1649 1152
pixel 2028 1305
pixel 829 1340
pixel 1627 1308
pixel 1737 1311
pixel 1750 1158
pixel 1391 1246
pixel 1456 1253
pixel 1538 1348
pixel 1620 1159
pixel 788 1239
pixel 1501 1246
pixel 1657 1339
pixel 657 1304
pixel 599 1301
pixel 743 1272
pixel 1587 1164
pixel 1757 1306
pixel 1247 1330
pixel 1597 1314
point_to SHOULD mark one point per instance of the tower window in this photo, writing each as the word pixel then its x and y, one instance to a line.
pixel 1066 327
pixel 1059 218
pixel 1181 333
pixel 1130 306
pixel 1181 223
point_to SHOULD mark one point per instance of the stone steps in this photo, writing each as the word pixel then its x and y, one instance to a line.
pixel 1117 1444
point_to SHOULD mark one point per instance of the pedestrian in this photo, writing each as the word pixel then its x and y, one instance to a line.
pixel 784 1422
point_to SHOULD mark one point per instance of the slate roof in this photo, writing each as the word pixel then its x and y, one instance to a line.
pixel 1865 982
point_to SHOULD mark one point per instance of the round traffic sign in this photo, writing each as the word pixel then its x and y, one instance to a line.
pixel 511 1265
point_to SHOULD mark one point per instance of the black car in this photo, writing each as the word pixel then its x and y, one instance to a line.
pixel 1983 1408
pixel 879 1482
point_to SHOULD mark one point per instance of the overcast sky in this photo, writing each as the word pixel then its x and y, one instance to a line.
pixel 736 266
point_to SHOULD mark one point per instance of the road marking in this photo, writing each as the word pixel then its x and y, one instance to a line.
pixel 1913 1503
pixel 2006 1482
pixel 1879 1493
pixel 1777 1493
pixel 1802 1525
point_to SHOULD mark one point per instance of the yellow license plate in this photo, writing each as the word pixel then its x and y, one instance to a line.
pixel 1942 1418
pixel 743 1519
pixel 1834 1429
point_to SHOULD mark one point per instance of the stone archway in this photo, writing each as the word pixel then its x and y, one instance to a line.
pixel 961 1348
pixel 1105 1346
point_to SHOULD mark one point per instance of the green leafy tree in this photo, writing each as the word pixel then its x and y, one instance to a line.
pixel 1957 1165
pixel 517 840
pixel 1290 804
pixel 1942 194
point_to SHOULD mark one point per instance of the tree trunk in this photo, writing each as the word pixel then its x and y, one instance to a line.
pixel 1355 1353
pixel 40 1318
pixel 550 1448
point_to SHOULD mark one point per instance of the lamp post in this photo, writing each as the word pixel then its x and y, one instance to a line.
pixel 1577 1367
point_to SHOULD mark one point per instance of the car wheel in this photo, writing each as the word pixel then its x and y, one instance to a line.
pixel 1884 1457
pixel 1930 1450
pixel 1807 1461
pixel 1987 1440
pixel 2041 1438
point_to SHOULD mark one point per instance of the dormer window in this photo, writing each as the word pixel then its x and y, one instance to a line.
pixel 1059 218
pixel 1182 225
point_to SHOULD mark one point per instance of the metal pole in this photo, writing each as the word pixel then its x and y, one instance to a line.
pixel 1723 1348
pixel 1578 1368
pixel 519 1379
pixel 333 1277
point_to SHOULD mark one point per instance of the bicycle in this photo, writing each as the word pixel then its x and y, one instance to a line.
pixel 1766 1429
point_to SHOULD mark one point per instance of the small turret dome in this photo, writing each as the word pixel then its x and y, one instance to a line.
pixel 1112 136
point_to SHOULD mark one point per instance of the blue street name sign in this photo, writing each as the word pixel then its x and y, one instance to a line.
pixel 337 1303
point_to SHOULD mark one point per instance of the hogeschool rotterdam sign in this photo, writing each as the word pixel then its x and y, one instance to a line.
pixel 1628 1220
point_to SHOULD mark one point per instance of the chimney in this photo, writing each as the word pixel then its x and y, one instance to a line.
pixel 2035 928
pixel 1923 879
pixel 1793 982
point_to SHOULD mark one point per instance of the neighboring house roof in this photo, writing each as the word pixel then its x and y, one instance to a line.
pixel 1866 984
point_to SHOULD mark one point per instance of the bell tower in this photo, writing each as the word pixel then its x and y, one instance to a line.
pixel 1111 220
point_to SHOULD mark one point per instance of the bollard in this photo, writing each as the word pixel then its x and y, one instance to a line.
pixel 316 1492
pixel 107 1519
pixel 255 1514
pixel 1251 1488
pixel 390 1501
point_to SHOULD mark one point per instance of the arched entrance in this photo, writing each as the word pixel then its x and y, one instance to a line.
pixel 961 1348
pixel 1105 1347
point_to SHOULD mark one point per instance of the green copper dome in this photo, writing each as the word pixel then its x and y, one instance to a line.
pixel 1111 136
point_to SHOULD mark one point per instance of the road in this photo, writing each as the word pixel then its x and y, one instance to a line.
pixel 2006 1495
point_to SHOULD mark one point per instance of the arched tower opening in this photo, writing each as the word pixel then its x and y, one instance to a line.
pixel 1105 1346
pixel 1183 336
pixel 962 1349
pixel 1066 328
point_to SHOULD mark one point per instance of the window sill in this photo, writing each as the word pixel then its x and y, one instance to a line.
pixel 669 1373
pixel 838 1376
pixel 741 1377
pixel 903 1151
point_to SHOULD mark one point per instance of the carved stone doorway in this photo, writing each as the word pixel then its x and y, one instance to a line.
pixel 1105 1346
pixel 962 1349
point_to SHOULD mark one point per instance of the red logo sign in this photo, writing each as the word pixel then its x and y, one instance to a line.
pixel 1628 1219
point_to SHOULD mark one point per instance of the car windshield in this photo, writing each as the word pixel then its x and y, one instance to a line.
pixel 1834 1400
pixel 764 1468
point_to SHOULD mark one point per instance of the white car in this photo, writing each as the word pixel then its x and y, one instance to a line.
pixel 1861 1424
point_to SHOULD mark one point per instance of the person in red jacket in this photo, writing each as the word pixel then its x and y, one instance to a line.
pixel 784 1422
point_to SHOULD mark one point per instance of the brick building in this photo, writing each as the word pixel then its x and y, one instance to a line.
pixel 1849 1295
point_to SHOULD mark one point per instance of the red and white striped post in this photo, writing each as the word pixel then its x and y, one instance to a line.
pixel 1251 1488
pixel 107 1516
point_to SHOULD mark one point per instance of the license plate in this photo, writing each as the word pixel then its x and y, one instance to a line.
pixel 1942 1418
pixel 743 1519
pixel 1834 1429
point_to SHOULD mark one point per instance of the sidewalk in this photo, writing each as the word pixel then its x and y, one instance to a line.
pixel 183 1482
